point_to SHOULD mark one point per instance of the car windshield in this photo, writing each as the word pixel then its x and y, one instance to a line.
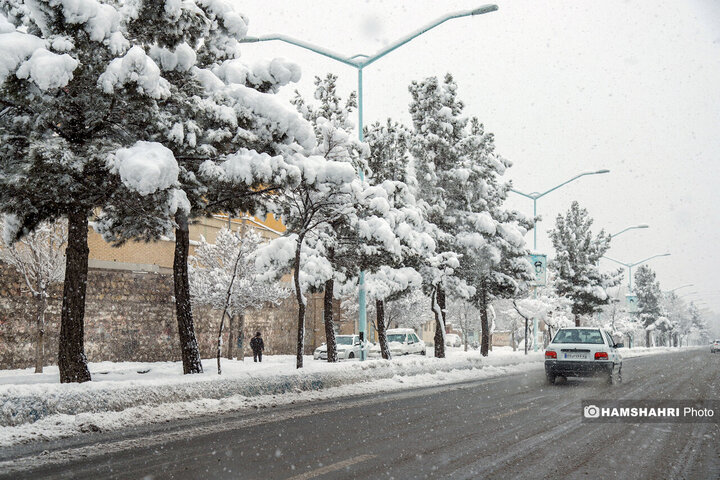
pixel 341 340
pixel 396 337
pixel 576 335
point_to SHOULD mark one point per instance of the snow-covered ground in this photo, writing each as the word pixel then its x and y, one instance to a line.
pixel 36 406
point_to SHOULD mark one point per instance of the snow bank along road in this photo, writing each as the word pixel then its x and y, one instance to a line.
pixel 509 427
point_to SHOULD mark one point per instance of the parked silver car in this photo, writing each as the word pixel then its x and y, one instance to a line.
pixel 348 347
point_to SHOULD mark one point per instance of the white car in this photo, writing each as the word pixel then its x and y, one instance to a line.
pixel 715 346
pixel 401 341
pixel 348 347
pixel 583 352
pixel 453 340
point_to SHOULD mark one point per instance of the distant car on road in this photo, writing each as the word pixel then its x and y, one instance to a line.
pixel 401 341
pixel 348 347
pixel 583 352
pixel 715 346
pixel 453 340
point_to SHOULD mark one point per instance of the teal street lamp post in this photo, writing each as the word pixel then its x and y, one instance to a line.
pixel 628 228
pixel 681 286
pixel 534 197
pixel 631 265
pixel 359 62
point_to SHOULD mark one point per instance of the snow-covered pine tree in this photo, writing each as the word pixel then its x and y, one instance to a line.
pixel 648 292
pixel 458 182
pixel 389 151
pixel 220 121
pixel 397 276
pixel 676 311
pixel 438 130
pixel 699 324
pixel 223 276
pixel 62 122
pixel 39 257
pixel 335 238
pixel 324 195
pixel 576 261
pixel 492 242
pixel 335 222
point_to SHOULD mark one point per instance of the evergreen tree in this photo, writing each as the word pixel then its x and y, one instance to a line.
pixel 649 295
pixel 335 239
pixel 458 183
pixel 389 151
pixel 222 124
pixel 62 121
pixel 438 130
pixel 397 276
pixel 576 262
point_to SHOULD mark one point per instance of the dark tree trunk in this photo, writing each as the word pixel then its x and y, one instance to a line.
pixel 382 334
pixel 72 362
pixel 186 328
pixel 328 318
pixel 437 308
pixel 231 335
pixel 219 341
pixel 526 336
pixel 301 304
pixel 40 334
pixel 577 320
pixel 647 338
pixel 484 325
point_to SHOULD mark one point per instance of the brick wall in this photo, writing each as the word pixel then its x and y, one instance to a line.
pixel 130 316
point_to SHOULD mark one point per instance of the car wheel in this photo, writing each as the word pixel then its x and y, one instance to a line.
pixel 614 378
pixel 351 355
pixel 550 379
pixel 422 352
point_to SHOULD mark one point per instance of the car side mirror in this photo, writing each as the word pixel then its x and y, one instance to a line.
pixel 619 345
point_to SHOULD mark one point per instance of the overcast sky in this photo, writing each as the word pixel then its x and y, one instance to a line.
pixel 566 87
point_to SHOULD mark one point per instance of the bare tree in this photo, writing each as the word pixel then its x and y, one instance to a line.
pixel 223 276
pixel 39 257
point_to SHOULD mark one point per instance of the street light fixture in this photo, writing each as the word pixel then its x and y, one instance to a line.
pixel 629 228
pixel 678 288
pixel 359 62
pixel 630 265
pixel 535 195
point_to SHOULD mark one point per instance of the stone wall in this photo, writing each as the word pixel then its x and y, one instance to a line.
pixel 130 316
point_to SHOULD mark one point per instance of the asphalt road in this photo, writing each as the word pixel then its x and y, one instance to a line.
pixel 502 428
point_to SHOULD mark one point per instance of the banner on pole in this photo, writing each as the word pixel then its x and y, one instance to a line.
pixel 632 303
pixel 539 265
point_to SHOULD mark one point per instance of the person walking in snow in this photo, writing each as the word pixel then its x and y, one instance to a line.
pixel 257 346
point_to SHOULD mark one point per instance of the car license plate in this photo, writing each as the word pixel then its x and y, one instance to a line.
pixel 575 356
